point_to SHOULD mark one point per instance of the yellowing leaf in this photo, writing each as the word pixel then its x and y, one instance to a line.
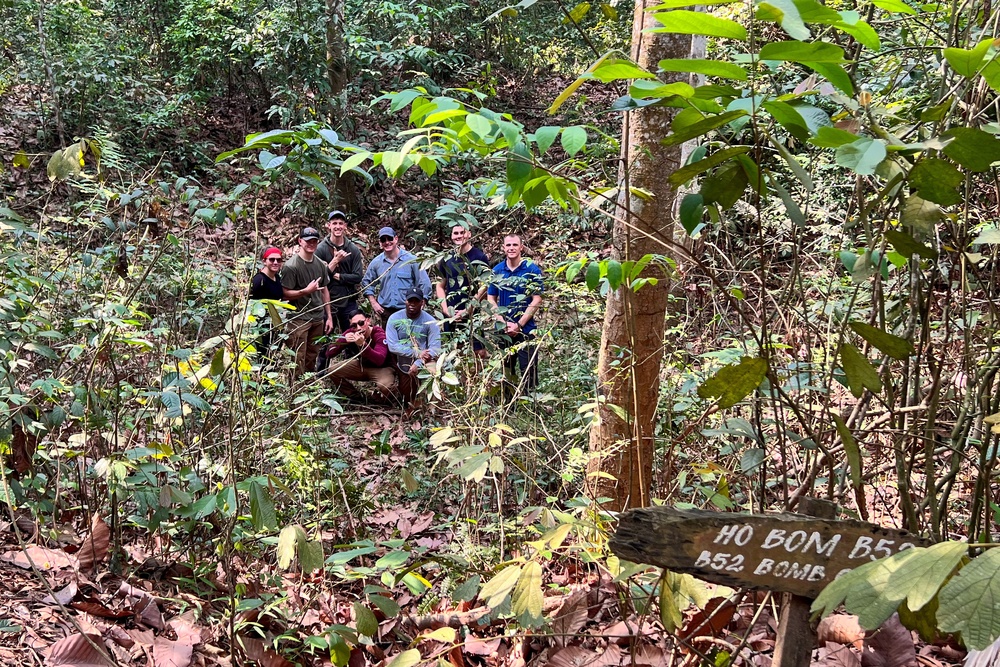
pixel 732 383
pixel 496 589
pixel 527 598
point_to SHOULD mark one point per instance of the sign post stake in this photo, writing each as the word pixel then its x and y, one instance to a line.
pixel 796 637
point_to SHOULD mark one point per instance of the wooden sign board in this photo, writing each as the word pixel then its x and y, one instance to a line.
pixel 779 552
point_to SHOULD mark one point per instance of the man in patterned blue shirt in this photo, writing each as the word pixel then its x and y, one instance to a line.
pixel 516 293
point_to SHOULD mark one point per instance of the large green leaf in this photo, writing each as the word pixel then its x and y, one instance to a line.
pixel 692 210
pixel 262 508
pixel 686 173
pixel 725 186
pixel 969 601
pixel 907 246
pixel 802 52
pixel 835 74
pixel 787 15
pixel 894 346
pixel 894 6
pixel 973 149
pixel 832 137
pixel 861 31
pixel 688 132
pixel 926 571
pixel 310 554
pixel 496 589
pixel 616 69
pixel 545 136
pixel 852 450
pixel 937 181
pixel 527 599
pixel 732 383
pixel 364 620
pixel 574 138
pixel 407 658
pixel 968 61
pixel 686 22
pixel 861 156
pixel 919 215
pixel 717 68
pixel 860 373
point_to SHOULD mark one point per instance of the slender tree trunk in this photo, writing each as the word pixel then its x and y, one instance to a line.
pixel 632 337
pixel 337 77
pixel 50 77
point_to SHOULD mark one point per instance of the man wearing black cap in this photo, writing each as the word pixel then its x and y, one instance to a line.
pixel 390 275
pixel 415 338
pixel 344 262
pixel 304 279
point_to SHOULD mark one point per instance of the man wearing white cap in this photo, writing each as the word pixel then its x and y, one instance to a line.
pixel 391 275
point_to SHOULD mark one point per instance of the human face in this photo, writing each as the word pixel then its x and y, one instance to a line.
pixel 460 235
pixel 308 246
pixel 273 263
pixel 413 307
pixel 337 227
pixel 360 323
pixel 389 243
pixel 512 247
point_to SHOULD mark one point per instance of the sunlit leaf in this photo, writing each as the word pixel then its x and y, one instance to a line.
pixel 496 589
pixel 732 383
pixel 894 346
pixel 968 603
pixel 687 22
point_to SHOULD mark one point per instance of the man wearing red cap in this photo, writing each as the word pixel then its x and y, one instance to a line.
pixel 265 285
pixel 304 280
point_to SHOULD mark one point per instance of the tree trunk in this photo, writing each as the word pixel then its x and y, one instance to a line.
pixel 632 337
pixel 337 77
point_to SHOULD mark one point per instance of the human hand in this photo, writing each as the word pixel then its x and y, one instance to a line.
pixel 377 307
pixel 513 328
pixel 414 369
pixel 460 314
pixel 351 337
pixel 426 356
pixel 328 325
pixel 311 287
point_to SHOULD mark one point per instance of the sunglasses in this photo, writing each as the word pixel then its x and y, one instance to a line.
pixel 385 239
pixel 275 259
pixel 358 323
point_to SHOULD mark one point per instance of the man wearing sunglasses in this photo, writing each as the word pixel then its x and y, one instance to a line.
pixel 304 279
pixel 391 275
pixel 344 262
pixel 364 355
pixel 265 285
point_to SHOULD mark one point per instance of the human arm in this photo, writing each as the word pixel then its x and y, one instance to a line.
pixel 352 268
pixel 292 294
pixel 425 283
pixel 328 323
pixel 394 344
pixel 368 287
pixel 440 288
pixel 376 349
pixel 516 326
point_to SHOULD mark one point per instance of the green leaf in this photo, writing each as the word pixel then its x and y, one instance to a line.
pixel 593 275
pixel 262 508
pixel 218 366
pixel 861 156
pixel 723 70
pixel 790 119
pixel 365 620
pixel 862 32
pixel 926 571
pixel 571 88
pixel 793 164
pixel 614 274
pixel 785 13
pixel 973 149
pixel 725 186
pixel 616 69
pixel 908 246
pixel 526 601
pixel 988 236
pixel 387 606
pixel 686 173
pixel 968 603
pixel 545 136
pixel 342 557
pixel 732 383
pixel 288 544
pixel 518 166
pixel 860 373
pixel 479 125
pixel 835 74
pixel 574 138
pixel 832 137
pixel 392 560
pixel 310 554
pixel 686 22
pixel 407 658
pixel 937 181
pixel 496 589
pixel 577 13
pixel 802 52
pixel 691 212
pixel 851 449
pixel 919 214
pixel 894 6
pixel 893 346
pixel 697 129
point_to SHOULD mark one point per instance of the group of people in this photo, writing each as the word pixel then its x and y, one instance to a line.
pixel 326 282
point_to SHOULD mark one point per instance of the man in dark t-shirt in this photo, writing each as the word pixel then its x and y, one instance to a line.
pixel 460 281
pixel 346 266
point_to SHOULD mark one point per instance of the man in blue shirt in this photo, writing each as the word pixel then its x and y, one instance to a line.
pixel 391 275
pixel 415 338
pixel 461 276
pixel 516 293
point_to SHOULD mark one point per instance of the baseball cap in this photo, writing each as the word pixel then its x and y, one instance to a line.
pixel 309 233
pixel 337 214
pixel 271 251
pixel 414 293
pixel 386 231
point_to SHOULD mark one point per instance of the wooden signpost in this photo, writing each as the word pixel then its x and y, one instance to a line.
pixel 792 553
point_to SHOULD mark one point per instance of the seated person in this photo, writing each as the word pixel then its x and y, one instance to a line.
pixel 415 338
pixel 364 356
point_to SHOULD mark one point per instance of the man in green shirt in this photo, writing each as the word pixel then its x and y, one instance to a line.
pixel 304 280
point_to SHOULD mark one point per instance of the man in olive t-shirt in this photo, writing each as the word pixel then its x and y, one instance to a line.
pixel 304 279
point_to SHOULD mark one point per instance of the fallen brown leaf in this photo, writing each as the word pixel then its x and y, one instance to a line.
pixel 95 548
pixel 891 645
pixel 44 559
pixel 79 651
pixel 61 597
pixel 571 617
pixel 169 653
pixel 841 629
pixel 834 654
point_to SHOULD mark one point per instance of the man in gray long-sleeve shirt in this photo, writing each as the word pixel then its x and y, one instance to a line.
pixel 415 338
pixel 390 275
